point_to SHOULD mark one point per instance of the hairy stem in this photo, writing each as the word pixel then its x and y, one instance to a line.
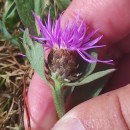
pixel 58 99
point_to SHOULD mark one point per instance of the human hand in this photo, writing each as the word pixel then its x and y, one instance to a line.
pixel 109 111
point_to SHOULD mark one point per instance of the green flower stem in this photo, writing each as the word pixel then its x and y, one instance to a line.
pixel 58 99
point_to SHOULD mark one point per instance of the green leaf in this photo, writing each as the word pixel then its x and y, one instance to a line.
pixel 39 7
pixel 62 4
pixel 25 8
pixel 35 54
pixel 10 1
pixel 8 17
pixel 9 37
pixel 92 89
pixel 10 10
pixel 65 3
pixel 91 66
pixel 92 77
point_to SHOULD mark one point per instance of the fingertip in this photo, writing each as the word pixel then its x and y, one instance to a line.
pixel 112 17
pixel 41 107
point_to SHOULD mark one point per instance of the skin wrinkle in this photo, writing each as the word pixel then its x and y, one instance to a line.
pixel 94 123
pixel 121 112
pixel 108 108
pixel 125 103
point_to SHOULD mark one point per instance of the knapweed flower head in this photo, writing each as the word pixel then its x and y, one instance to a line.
pixel 70 45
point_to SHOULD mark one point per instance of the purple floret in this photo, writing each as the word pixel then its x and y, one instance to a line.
pixel 73 37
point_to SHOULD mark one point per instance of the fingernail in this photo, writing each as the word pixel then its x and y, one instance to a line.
pixel 69 124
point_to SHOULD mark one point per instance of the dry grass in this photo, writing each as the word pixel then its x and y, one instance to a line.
pixel 12 69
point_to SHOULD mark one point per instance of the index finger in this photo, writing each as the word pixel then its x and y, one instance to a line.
pixel 41 106
pixel 112 17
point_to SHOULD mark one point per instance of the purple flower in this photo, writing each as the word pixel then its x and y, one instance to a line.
pixel 73 37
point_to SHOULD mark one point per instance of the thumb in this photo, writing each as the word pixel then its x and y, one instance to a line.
pixel 106 112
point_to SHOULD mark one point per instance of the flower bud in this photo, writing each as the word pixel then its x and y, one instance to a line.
pixel 67 65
